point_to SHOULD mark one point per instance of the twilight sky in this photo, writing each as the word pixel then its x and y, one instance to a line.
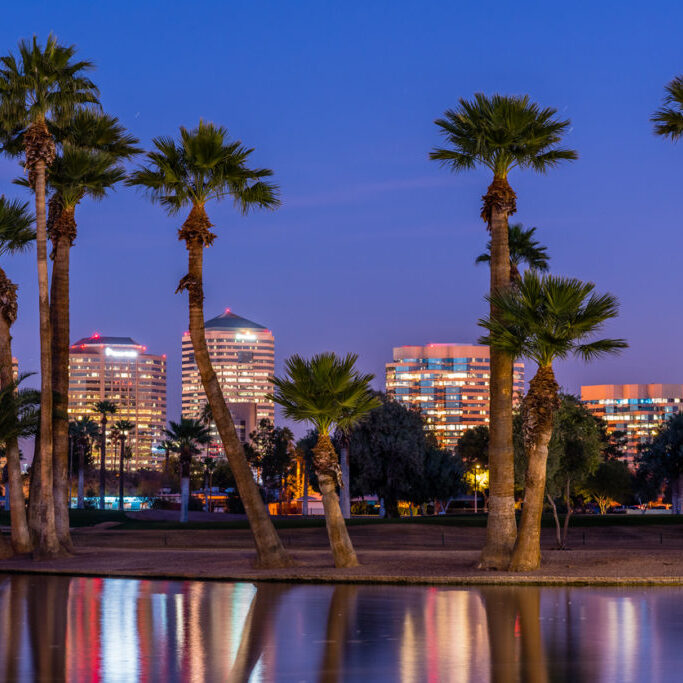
pixel 374 244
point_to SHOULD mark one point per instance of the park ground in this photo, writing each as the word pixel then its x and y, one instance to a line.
pixel 442 550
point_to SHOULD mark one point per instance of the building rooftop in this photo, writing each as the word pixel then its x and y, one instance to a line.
pixel 98 340
pixel 230 321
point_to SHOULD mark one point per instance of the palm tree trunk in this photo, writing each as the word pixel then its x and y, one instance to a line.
pixel 538 410
pixel 184 489
pixel 304 502
pixel 47 545
pixel 345 490
pixel 34 491
pixel 269 549
pixel 501 527
pixel 103 455
pixel 59 319
pixel 325 463
pixel 81 477
pixel 568 504
pixel 21 538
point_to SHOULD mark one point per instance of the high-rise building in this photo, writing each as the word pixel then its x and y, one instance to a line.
pixel 120 370
pixel 449 383
pixel 242 353
pixel 636 409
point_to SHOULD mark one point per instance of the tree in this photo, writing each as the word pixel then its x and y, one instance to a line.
pixel 206 165
pixel 19 417
pixel 388 451
pixel 270 453
pixel 16 234
pixel 42 86
pixel 501 133
pixel 610 482
pixel 524 249
pixel 120 434
pixel 305 446
pixel 91 146
pixel 83 432
pixel 668 120
pixel 473 450
pixel 546 318
pixel 322 391
pixel 209 468
pixel 104 408
pixel 187 437
pixel 442 476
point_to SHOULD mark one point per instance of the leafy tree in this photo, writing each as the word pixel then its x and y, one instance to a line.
pixel 270 452
pixel 186 439
pixel 83 432
pixel 42 85
pixel 205 165
pixel 473 446
pixel 610 482
pixel 16 235
pixel 120 433
pixel 524 249
pixel 546 318
pixel 103 408
pixel 668 120
pixel 387 454
pixel 442 476
pixel 304 447
pixel 501 133
pixel 322 391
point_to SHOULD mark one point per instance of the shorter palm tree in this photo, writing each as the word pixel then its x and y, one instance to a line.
pixel 324 392
pixel 209 466
pixel 546 318
pixel 668 120
pixel 186 439
pixel 524 249
pixel 120 433
pixel 83 433
pixel 104 408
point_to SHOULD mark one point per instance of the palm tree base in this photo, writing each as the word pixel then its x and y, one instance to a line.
pixel 279 561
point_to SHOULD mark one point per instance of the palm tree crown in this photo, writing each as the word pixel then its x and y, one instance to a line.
pixel 104 408
pixel 548 317
pixel 84 430
pixel 501 132
pixel 523 249
pixel 668 120
pixel 326 390
pixel 186 437
pixel 16 226
pixel 19 411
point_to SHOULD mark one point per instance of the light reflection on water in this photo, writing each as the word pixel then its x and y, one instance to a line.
pixel 81 629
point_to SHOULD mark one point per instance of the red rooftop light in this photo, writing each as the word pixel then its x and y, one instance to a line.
pixel 227 310
pixel 96 335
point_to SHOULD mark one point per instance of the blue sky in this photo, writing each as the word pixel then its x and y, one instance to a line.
pixel 374 244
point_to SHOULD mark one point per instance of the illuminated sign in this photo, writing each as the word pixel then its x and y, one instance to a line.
pixel 245 337
pixel 108 351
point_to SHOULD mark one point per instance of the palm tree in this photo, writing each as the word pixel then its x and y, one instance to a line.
pixel 16 234
pixel 83 432
pixel 87 164
pixel 668 120
pixel 120 434
pixel 324 391
pixel 204 165
pixel 546 318
pixel 186 438
pixel 41 86
pixel 501 133
pixel 523 249
pixel 19 417
pixel 104 408
pixel 209 467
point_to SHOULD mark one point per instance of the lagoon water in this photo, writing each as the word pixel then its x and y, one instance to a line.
pixel 85 629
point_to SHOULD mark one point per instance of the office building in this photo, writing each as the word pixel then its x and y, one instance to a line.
pixel 120 370
pixel 449 383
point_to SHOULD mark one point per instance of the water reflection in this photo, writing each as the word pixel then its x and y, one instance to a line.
pixel 80 629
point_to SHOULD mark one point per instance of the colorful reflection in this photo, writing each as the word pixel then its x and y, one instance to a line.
pixel 82 629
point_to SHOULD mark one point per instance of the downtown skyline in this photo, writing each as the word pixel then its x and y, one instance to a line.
pixel 398 234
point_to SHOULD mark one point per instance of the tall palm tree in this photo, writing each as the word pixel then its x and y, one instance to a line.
pixel 325 391
pixel 668 120
pixel 88 164
pixel 83 432
pixel 103 408
pixel 39 86
pixel 19 417
pixel 206 165
pixel 545 319
pixel 501 133
pixel 120 434
pixel 186 438
pixel 524 249
pixel 16 234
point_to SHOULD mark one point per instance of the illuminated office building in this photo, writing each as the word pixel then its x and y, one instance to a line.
pixel 243 356
pixel 120 370
pixel 449 383
pixel 636 409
